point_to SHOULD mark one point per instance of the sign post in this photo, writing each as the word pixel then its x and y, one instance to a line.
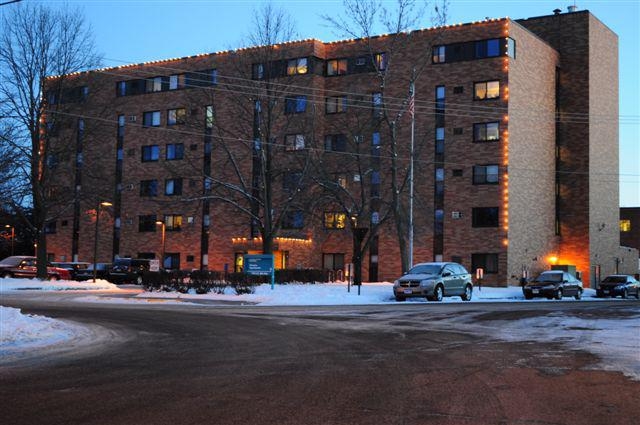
pixel 479 277
pixel 260 265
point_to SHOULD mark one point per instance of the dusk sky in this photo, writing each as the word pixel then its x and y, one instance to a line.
pixel 132 31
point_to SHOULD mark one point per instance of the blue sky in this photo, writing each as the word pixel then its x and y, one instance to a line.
pixel 131 31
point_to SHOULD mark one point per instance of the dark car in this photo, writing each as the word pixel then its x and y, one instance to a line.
pixel 25 266
pixel 618 285
pixel 128 270
pixel 434 281
pixel 102 271
pixel 73 267
pixel 553 284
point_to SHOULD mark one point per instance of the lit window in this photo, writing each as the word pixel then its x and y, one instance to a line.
pixel 154 84
pixel 176 116
pixel 511 48
pixel 376 101
pixel 381 61
pixel 335 220
pixel 625 225
pixel 336 67
pixel 208 117
pixel 438 54
pixel 173 222
pixel 486 90
pixel 486 132
pixel 297 66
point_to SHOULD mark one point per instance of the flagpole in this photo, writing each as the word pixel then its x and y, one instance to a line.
pixel 412 90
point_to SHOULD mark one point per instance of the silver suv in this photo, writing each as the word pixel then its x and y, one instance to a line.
pixel 434 281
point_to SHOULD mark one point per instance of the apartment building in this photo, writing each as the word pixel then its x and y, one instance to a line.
pixel 199 159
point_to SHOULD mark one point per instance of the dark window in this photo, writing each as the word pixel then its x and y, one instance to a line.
pixel 121 88
pixel 149 188
pixel 297 66
pixel 291 181
pixel 457 173
pixel 485 174
pixel 151 119
pixel 50 227
pixel 295 104
pixel 458 90
pixel 485 217
pixel 150 153
pixel 336 67
pixel 487 262
pixel 294 142
pixel 257 71
pixel 335 220
pixel 147 223
pixel 486 132
pixel 457 130
pixel 511 48
pixel 171 261
pixel 175 151
pixel 176 81
pixel 190 258
pixel 176 116
pixel 438 222
pixel 173 222
pixel 293 220
pixel 439 54
pixel 154 85
pixel 336 105
pixel 173 187
pixel 333 261
pixel 376 104
pixel 335 143
pixel 440 140
pixel 486 90
pixel 487 48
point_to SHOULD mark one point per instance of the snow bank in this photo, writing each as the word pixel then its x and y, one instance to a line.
pixel 12 284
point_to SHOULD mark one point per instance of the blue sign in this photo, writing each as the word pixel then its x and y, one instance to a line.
pixel 261 265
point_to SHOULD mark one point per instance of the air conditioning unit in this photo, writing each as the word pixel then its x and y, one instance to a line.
pixel 132 118
pixel 129 186
pixel 456 215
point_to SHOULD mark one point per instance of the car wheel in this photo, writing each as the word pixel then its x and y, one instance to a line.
pixel 528 296
pixel 578 295
pixel 599 294
pixel 468 293
pixel 438 294
pixel 625 294
pixel 53 277
pixel 559 294
pixel 400 298
pixel 138 280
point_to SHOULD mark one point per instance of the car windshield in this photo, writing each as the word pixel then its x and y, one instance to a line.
pixel 121 262
pixel 615 279
pixel 426 269
pixel 11 261
pixel 549 277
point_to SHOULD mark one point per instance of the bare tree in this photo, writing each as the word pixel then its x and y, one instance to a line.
pixel 394 98
pixel 38 42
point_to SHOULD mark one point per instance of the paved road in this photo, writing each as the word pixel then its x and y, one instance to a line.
pixel 383 364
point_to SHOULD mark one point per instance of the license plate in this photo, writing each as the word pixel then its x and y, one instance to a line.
pixel 408 291
pixel 535 291
pixel 606 291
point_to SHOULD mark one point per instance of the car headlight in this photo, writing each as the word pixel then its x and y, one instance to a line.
pixel 396 283
pixel 425 283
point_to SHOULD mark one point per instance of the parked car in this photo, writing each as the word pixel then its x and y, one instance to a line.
pixel 434 281
pixel 618 285
pixel 553 284
pixel 73 267
pixel 128 270
pixel 102 270
pixel 25 266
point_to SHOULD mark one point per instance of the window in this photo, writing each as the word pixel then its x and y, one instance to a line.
pixel 457 172
pixel 438 221
pixel 173 187
pixel 511 48
pixel 333 261
pixel 172 222
pixel 151 119
pixel 380 60
pixel 121 88
pixel 487 48
pixel 257 71
pixel 213 76
pixel 50 227
pixel 149 188
pixel 485 217
pixel 335 143
pixel 486 90
pixel 486 132
pixel 458 90
pixel 335 220
pixel 291 181
pixel 154 85
pixel 147 223
pixel 336 67
pixel 293 220
pixel 297 66
pixel 295 104
pixel 485 174
pixel 336 105
pixel 487 262
pixel 176 116
pixel 176 81
pixel 294 142
pixel 171 261
pixel 341 180
pixel 376 103
pixel 150 153
pixel 625 225
pixel 458 130
pixel 439 140
pixel 175 151
pixel 438 54
pixel 208 117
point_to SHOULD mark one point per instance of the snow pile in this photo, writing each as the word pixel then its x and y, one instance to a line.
pixel 21 332
pixel 13 284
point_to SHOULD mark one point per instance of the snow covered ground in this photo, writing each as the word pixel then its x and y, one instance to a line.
pixel 616 342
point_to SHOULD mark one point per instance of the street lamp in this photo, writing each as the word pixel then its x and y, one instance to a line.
pixel 164 227
pixel 95 239
pixel 13 235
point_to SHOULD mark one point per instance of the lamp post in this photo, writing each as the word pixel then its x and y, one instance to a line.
pixel 163 227
pixel 13 235
pixel 95 239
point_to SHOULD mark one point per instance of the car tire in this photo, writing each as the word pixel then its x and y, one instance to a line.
pixel 625 294
pixel 578 295
pixel 438 294
pixel 528 296
pixel 599 294
pixel 559 294
pixel 400 299
pixel 139 280
pixel 468 293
